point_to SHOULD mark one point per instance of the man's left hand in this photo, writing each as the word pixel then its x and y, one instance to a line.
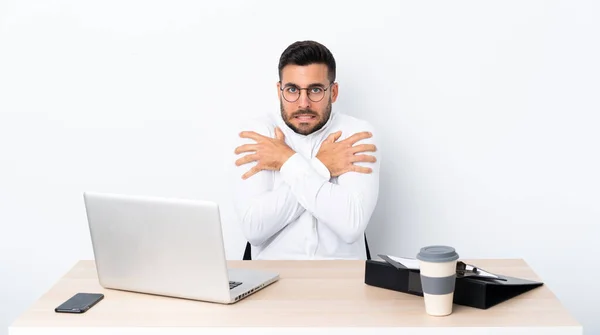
pixel 270 153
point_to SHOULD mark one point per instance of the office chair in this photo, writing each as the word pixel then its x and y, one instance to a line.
pixel 248 252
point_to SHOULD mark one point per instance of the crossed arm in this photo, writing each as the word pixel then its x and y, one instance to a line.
pixel 345 207
pixel 262 209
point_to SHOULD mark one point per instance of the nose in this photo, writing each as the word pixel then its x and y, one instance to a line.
pixel 303 100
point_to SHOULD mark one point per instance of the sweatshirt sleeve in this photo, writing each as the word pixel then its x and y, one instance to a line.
pixel 263 209
pixel 345 207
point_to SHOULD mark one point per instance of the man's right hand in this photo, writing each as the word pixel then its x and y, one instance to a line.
pixel 339 157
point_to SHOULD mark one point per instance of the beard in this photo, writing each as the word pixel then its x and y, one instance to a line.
pixel 304 130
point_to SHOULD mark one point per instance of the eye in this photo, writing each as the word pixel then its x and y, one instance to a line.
pixel 316 90
pixel 291 89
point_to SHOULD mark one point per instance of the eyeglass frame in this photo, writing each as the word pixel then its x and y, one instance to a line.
pixel 306 89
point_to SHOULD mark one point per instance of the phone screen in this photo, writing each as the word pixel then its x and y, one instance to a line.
pixel 79 303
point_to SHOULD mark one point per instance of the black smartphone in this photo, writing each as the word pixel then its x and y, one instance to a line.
pixel 79 303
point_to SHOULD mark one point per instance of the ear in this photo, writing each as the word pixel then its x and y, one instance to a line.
pixel 279 89
pixel 334 92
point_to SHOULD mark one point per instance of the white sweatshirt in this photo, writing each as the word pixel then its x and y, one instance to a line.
pixel 301 212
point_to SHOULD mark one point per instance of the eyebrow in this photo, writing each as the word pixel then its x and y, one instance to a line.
pixel 311 85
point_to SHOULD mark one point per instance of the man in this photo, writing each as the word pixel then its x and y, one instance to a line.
pixel 308 179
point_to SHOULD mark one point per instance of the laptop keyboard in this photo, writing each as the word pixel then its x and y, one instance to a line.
pixel 233 284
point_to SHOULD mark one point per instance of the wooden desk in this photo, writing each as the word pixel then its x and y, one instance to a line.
pixel 311 297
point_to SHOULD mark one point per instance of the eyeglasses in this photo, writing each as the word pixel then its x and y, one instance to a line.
pixel 315 93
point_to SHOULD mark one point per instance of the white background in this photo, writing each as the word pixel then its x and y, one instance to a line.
pixel 488 113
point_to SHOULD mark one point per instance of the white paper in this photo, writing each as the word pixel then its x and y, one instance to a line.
pixel 410 263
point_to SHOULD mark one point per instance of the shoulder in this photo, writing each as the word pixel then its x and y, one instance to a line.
pixel 350 125
pixel 263 125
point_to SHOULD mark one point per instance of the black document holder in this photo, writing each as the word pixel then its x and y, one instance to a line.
pixel 468 291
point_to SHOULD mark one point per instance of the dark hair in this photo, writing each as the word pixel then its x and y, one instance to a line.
pixel 306 53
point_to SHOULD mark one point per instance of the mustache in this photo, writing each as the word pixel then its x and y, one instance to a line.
pixel 304 112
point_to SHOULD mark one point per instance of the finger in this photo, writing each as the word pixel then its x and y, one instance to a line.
pixel 246 159
pixel 357 137
pixel 251 172
pixel 279 134
pixel 337 135
pixel 361 169
pixel 253 135
pixel 363 148
pixel 246 148
pixel 333 137
pixel 363 158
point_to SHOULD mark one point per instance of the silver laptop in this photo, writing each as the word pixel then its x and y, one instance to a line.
pixel 166 247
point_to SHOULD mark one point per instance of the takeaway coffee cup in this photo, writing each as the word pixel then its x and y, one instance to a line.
pixel 438 276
